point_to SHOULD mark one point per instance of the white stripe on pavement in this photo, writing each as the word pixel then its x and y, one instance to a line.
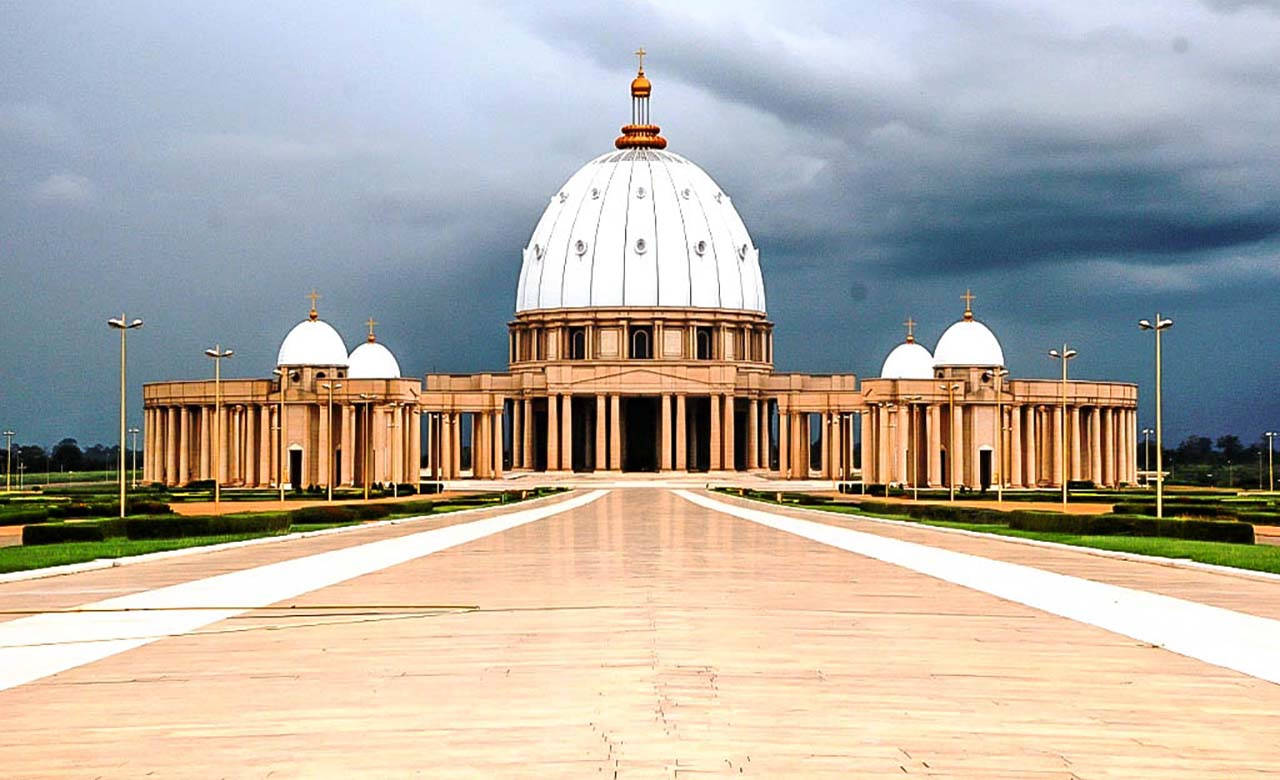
pixel 1222 637
pixel 41 645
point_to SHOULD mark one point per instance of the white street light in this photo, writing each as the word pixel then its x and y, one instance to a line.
pixel 8 460
pixel 1161 324
pixel 133 476
pixel 124 325
pixel 1146 446
pixel 1271 465
pixel 218 354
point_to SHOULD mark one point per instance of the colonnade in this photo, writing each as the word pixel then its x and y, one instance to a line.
pixel 382 440
pixel 911 443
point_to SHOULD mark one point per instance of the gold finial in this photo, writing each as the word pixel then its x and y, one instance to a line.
pixel 641 133
pixel 968 298
pixel 314 296
pixel 911 330
pixel 371 323
pixel 640 52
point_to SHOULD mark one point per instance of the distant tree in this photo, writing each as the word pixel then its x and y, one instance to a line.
pixel 1230 447
pixel 67 456
pixel 32 455
pixel 1195 449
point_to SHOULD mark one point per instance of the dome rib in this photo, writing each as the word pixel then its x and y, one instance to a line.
pixel 684 227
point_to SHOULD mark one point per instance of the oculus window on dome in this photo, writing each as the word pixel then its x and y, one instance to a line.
pixel 640 226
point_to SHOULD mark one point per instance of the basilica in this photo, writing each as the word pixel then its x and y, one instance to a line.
pixel 641 342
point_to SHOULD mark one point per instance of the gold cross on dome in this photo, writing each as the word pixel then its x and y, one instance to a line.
pixel 968 301
pixel 371 323
pixel 314 296
pixel 911 329
pixel 640 52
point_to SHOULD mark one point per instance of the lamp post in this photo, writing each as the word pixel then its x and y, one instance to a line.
pixel 392 424
pixel 133 476
pixel 368 435
pixel 951 388
pixel 218 354
pixel 1158 325
pixel 1146 451
pixel 22 468
pixel 1065 355
pixel 997 461
pixel 893 444
pixel 913 456
pixel 124 326
pixel 1271 465
pixel 330 386
pixel 8 460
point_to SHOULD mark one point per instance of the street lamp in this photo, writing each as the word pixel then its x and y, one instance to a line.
pixel 124 326
pixel 218 354
pixel 998 456
pixel 133 477
pixel 913 456
pixel 1160 324
pixel 951 388
pixel 1271 465
pixel 1146 450
pixel 1065 355
pixel 8 460
pixel 330 386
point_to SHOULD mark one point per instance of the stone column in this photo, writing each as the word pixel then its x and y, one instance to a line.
pixel 716 442
pixel 446 446
pixel 526 435
pixel 784 441
pixel 480 445
pixel 753 434
pixel 730 462
pixel 934 426
pixel 171 446
pixel 566 433
pixel 602 439
pixel 884 440
pixel 1029 456
pixel 765 436
pixel 906 447
pixel 455 446
pixel 1108 450
pixel 615 433
pixel 957 464
pixel 664 434
pixel 1058 460
pixel 553 432
pixel 682 442
pixel 233 475
pixel 1095 446
pixel 250 445
pixel 517 438
pixel 184 445
pixel 1075 443
pixel 497 442
pixel 415 448
pixel 1015 447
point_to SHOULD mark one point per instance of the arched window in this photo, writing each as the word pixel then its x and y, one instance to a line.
pixel 702 340
pixel 578 344
pixel 641 343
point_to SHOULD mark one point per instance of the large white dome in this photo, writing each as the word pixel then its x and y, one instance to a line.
pixel 312 342
pixel 908 360
pixel 968 343
pixel 640 227
pixel 371 360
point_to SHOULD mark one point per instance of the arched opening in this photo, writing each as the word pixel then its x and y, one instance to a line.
pixel 702 343
pixel 641 343
pixel 578 344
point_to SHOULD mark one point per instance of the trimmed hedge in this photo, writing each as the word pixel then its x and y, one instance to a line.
pixel 323 514
pixel 35 514
pixel 1175 509
pixel 177 527
pixel 1134 525
pixel 56 533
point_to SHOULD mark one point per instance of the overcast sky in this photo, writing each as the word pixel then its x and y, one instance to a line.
pixel 204 165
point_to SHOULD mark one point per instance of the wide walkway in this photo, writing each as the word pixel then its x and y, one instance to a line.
pixel 637 634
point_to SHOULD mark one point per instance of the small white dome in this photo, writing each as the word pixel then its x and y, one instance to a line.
pixel 312 342
pixel 371 360
pixel 908 360
pixel 968 343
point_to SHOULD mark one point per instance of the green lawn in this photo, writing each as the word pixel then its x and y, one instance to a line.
pixel 1241 556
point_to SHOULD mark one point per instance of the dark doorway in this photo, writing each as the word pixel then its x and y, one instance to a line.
pixel 584 433
pixel 640 434
pixel 539 434
pixel 337 466
pixel 741 423
pixel 295 469
pixel 698 433
pixel 984 469
pixel 946 472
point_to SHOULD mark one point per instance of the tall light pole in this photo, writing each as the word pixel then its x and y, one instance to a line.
pixel 1158 325
pixel 218 354
pixel 951 388
pixel 997 461
pixel 124 326
pixel 1146 450
pixel 8 460
pixel 133 476
pixel 280 436
pixel 330 386
pixel 368 435
pixel 1065 355
pixel 1271 464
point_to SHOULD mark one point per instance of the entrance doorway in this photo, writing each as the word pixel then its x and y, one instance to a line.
pixel 295 469
pixel 741 421
pixel 539 422
pixel 584 433
pixel 698 433
pixel 337 466
pixel 946 471
pixel 984 469
pixel 640 424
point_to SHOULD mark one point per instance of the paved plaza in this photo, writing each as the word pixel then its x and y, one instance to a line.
pixel 639 632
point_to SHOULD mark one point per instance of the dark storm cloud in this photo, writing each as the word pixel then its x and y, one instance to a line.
pixel 204 166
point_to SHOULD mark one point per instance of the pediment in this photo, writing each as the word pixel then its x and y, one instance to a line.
pixel 655 378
